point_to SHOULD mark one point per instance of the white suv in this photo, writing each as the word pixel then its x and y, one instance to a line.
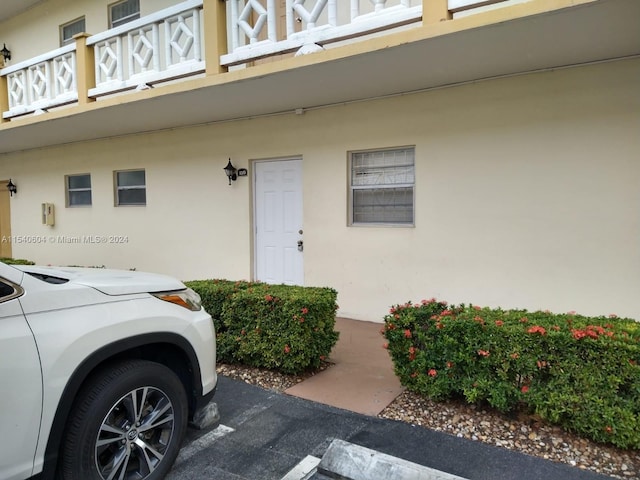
pixel 100 372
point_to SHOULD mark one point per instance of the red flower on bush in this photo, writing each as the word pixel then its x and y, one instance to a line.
pixel 407 333
pixel 287 349
pixel 432 372
pixel 537 329
pixel 499 323
pixel 439 325
pixel 304 310
pixel 484 353
pixel 414 374
pixel 515 355
pixel 385 346
pixel 478 319
pixel 449 364
pixel 524 320
pixel 412 353
pixel 524 389
pixel 268 298
pixel 590 331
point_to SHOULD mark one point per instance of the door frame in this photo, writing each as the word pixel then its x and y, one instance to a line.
pixel 5 234
pixel 254 200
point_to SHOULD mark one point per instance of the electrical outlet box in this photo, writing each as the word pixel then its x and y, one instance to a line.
pixel 48 214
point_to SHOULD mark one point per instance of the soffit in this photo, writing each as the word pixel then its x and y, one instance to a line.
pixel 10 8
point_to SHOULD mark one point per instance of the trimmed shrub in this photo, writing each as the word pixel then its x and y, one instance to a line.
pixel 285 328
pixel 16 261
pixel 581 373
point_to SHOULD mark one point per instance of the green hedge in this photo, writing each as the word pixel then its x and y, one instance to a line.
pixel 16 261
pixel 582 373
pixel 285 328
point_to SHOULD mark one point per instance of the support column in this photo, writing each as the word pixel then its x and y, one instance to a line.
pixel 434 11
pixel 4 97
pixel 85 69
pixel 215 35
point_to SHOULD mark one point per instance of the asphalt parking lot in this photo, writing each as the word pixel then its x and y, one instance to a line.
pixel 263 435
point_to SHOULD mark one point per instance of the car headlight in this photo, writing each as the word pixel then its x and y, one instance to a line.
pixel 185 298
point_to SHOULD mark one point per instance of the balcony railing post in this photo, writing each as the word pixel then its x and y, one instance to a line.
pixel 215 35
pixel 85 68
pixel 434 11
pixel 4 97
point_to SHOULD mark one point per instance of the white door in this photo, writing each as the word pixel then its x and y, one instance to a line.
pixel 278 217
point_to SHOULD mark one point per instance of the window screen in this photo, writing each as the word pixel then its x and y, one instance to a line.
pixel 382 184
pixel 68 30
pixel 78 190
pixel 123 12
pixel 131 188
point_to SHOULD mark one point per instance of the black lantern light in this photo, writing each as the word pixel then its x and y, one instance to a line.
pixel 6 53
pixel 12 188
pixel 230 172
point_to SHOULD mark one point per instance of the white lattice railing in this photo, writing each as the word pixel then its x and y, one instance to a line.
pixel 158 47
pixel 253 24
pixel 42 82
pixel 169 44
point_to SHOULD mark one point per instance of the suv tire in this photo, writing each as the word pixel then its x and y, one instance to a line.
pixel 128 422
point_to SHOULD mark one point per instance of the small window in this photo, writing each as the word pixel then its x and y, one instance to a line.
pixel 123 12
pixel 78 190
pixel 68 30
pixel 131 188
pixel 381 189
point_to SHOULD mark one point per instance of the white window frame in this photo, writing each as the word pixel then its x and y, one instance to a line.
pixel 69 190
pixel 66 41
pixel 389 185
pixel 119 188
pixel 121 21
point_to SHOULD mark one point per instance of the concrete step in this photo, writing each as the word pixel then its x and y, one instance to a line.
pixel 348 461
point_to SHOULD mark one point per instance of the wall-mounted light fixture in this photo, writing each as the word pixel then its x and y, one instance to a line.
pixel 5 52
pixel 12 188
pixel 230 172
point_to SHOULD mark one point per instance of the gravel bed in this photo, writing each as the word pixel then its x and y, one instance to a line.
pixel 525 433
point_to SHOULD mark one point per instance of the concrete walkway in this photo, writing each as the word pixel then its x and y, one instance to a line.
pixel 361 379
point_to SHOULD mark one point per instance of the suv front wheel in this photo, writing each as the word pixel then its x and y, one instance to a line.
pixel 127 423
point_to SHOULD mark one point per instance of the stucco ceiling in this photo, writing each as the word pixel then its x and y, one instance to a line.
pixel 598 31
pixel 9 8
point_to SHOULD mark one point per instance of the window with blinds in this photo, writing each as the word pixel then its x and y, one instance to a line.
pixel 123 12
pixel 68 30
pixel 381 186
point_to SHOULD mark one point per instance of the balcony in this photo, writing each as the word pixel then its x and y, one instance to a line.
pixel 204 61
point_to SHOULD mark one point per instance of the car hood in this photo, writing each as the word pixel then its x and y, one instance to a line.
pixel 110 282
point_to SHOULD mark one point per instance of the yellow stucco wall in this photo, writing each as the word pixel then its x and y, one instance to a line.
pixel 526 196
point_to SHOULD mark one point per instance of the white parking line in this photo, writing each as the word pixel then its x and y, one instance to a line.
pixel 304 469
pixel 201 443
